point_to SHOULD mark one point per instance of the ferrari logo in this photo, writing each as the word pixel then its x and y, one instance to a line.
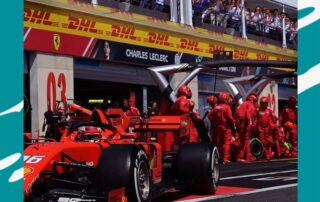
pixel 56 41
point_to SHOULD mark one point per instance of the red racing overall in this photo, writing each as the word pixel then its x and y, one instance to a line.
pixel 221 117
pixel 132 111
pixel 264 126
pixel 276 135
pixel 288 119
pixel 182 107
pixel 244 116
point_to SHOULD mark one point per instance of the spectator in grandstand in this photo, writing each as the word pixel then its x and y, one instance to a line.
pixel 222 17
pixel 158 5
pixel 204 3
pixel 288 24
pixel 223 8
pixel 235 13
pixel 220 7
pixel 248 16
pixel 279 25
pixel 293 34
pixel 213 10
pixel 276 18
pixel 196 7
pixel 256 17
pixel 124 5
pixel 268 19
pixel 264 9
pixel 146 3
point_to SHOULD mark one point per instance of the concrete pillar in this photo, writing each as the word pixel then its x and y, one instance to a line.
pixel 174 10
pixel 178 77
pixel 145 99
pixel 50 76
pixel 243 20
pixel 186 12
pixel 284 34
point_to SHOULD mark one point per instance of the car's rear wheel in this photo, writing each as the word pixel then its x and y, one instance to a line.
pixel 198 167
pixel 142 179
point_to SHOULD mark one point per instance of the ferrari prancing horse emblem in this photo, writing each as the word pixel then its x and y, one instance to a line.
pixel 56 41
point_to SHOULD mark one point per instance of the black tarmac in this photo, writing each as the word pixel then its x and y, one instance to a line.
pixel 260 181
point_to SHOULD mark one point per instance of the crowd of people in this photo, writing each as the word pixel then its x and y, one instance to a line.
pixel 227 13
pixel 229 128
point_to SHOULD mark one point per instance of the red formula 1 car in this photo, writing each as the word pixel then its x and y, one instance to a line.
pixel 112 157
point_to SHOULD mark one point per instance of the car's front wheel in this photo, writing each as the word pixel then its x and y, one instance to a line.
pixel 125 166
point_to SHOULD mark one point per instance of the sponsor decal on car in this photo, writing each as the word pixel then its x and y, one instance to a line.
pixel 33 159
pixel 27 170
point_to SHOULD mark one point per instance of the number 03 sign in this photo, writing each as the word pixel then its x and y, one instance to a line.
pixel 53 87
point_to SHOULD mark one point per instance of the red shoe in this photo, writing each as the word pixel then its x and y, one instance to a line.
pixel 251 159
pixel 287 154
pixel 241 160
pixel 226 162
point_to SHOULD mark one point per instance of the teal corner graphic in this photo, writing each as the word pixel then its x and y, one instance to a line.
pixel 11 104
pixel 309 99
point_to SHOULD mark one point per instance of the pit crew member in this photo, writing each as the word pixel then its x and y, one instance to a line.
pixel 221 117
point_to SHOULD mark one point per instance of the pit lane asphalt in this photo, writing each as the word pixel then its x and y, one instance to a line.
pixel 265 181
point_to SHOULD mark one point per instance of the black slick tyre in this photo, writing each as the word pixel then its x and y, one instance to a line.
pixel 256 148
pixel 198 167
pixel 125 166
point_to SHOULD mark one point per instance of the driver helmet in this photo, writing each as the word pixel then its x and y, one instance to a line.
pixel 89 134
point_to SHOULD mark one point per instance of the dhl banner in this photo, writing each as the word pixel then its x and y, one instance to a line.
pixel 79 26
pixel 99 49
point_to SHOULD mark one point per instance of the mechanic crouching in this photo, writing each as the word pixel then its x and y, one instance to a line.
pixel 288 120
pixel 221 118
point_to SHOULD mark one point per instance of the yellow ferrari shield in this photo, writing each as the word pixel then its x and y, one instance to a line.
pixel 56 41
